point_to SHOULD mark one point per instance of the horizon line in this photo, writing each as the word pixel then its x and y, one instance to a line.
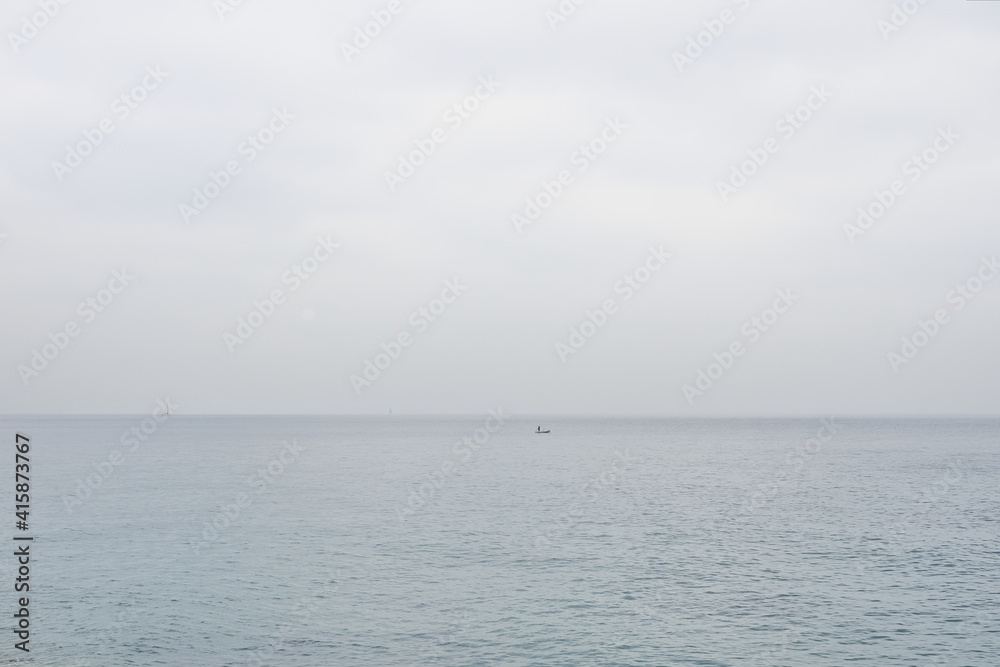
pixel 526 415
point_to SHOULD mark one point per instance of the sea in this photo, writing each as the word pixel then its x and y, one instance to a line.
pixel 474 540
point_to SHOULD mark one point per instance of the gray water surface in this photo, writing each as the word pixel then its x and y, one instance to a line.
pixel 607 542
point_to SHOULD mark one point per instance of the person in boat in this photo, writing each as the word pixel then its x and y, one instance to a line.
pixel 539 430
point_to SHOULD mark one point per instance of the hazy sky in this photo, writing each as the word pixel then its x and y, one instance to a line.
pixel 663 123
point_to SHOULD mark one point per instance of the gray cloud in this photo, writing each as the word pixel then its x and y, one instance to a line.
pixel 657 185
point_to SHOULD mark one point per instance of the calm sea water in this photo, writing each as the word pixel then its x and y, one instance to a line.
pixel 606 542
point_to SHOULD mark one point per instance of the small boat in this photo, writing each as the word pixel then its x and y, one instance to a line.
pixel 539 430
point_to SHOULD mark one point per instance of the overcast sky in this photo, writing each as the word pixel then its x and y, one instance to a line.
pixel 338 118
